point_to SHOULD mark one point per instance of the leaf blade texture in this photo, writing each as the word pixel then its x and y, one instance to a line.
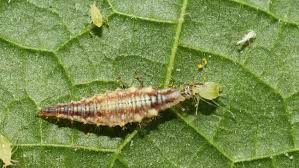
pixel 49 54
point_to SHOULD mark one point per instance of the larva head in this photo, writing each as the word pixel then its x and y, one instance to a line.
pixel 208 90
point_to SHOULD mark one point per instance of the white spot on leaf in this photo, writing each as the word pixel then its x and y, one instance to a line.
pixel 247 38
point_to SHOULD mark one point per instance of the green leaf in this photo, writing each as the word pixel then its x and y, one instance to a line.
pixel 50 53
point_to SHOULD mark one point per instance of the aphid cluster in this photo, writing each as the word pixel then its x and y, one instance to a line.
pixel 119 107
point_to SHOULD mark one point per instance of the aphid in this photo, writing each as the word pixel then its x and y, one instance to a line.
pixel 119 107
pixel 203 63
pixel 247 38
pixel 96 16
pixel 208 90
pixel 5 151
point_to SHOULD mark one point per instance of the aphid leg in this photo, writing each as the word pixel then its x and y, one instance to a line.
pixel 197 105
pixel 14 162
pixel 16 148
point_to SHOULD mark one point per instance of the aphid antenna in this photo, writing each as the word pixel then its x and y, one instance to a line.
pixel 197 97
pixel 15 146
pixel 215 104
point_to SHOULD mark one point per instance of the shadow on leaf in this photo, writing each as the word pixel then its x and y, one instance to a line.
pixel 149 125
pixel 204 107
pixel 97 31
pixel 98 130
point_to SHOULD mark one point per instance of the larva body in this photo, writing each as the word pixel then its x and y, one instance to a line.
pixel 117 108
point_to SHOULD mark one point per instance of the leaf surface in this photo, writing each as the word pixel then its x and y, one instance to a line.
pixel 49 53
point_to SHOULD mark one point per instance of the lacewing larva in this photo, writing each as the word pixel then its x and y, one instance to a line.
pixel 96 16
pixel 119 107
pixel 247 38
pixel 5 151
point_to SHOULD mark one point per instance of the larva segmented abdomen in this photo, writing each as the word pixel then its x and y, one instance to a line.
pixel 117 107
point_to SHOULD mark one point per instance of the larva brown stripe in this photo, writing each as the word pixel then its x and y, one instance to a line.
pixel 117 107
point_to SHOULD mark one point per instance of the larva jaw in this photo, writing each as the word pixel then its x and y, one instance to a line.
pixel 186 91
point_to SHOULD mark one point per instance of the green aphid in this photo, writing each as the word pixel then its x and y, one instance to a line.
pixel 96 16
pixel 208 90
pixel 6 151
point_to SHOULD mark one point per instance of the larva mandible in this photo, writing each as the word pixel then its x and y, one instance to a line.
pixel 119 107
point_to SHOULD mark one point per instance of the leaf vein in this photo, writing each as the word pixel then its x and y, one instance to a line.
pixel 198 132
pixel 175 44
pixel 121 146
pixel 266 12
pixel 66 146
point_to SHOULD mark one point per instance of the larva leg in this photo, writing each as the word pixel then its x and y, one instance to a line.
pixel 196 105
pixel 138 77
pixel 147 122
pixel 122 83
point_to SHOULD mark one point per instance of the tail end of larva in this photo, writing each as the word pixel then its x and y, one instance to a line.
pixel 47 112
